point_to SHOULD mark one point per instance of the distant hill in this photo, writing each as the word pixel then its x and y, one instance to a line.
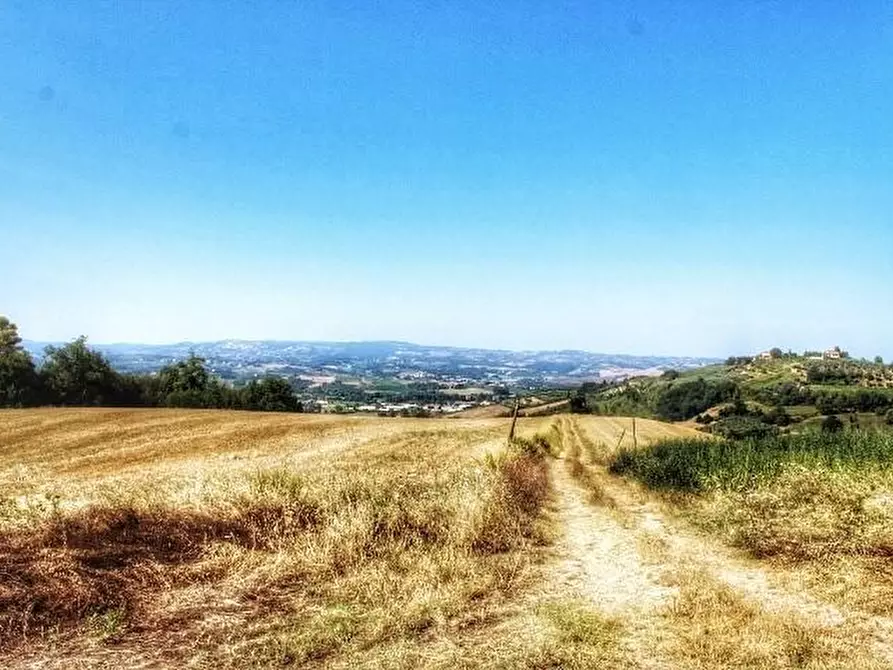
pixel 243 358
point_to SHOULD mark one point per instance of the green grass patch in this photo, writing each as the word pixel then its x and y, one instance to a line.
pixel 698 465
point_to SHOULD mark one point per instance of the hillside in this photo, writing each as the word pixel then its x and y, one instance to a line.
pixel 778 391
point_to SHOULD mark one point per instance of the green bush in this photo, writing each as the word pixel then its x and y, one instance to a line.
pixel 685 400
pixel 832 424
pixel 742 428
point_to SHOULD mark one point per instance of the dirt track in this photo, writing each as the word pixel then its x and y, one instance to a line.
pixel 632 557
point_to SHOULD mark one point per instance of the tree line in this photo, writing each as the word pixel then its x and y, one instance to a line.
pixel 76 375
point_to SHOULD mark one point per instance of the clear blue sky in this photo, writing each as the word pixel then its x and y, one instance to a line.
pixel 643 177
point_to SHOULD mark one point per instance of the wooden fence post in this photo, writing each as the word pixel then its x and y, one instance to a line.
pixel 514 420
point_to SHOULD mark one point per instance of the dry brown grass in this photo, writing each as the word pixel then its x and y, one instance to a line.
pixel 604 432
pixel 202 539
pixel 830 531
pixel 72 445
pixel 807 514
pixel 715 626
pixel 579 453
pixel 225 539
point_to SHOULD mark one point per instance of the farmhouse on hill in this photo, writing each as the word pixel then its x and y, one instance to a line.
pixel 833 354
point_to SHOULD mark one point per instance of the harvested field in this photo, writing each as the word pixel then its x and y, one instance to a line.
pixel 168 538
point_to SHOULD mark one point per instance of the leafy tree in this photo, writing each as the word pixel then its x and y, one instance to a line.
pixel 775 352
pixel 190 375
pixel 272 394
pixel 18 379
pixel 685 400
pixel 878 360
pixel 190 384
pixel 784 393
pixel 500 391
pixel 75 374
pixel 737 408
pixel 136 390
pixel 733 361
pixel 579 404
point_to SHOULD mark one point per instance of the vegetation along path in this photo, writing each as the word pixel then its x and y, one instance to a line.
pixel 684 599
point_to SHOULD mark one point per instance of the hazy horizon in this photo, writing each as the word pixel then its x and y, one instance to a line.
pixel 433 345
pixel 683 180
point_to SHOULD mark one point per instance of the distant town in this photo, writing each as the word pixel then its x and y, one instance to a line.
pixel 392 378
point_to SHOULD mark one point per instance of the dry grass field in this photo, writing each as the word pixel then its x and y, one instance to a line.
pixel 168 538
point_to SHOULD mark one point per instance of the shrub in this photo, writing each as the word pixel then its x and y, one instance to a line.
pixel 538 445
pixel 579 404
pixel 778 417
pixel 832 424
pixel 742 428
pixel 685 400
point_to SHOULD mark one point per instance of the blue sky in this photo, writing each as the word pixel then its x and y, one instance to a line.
pixel 642 177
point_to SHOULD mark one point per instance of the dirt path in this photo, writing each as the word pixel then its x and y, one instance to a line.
pixel 599 563
pixel 623 552
pixel 600 559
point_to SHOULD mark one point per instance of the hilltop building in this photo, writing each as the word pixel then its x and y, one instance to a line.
pixel 833 354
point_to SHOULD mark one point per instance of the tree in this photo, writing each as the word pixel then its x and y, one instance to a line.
pixel 579 404
pixel 775 352
pixel 75 374
pixel 878 360
pixel 271 394
pixel 9 335
pixel 685 400
pixel 190 375
pixel 18 379
pixel 189 384
pixel 733 361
